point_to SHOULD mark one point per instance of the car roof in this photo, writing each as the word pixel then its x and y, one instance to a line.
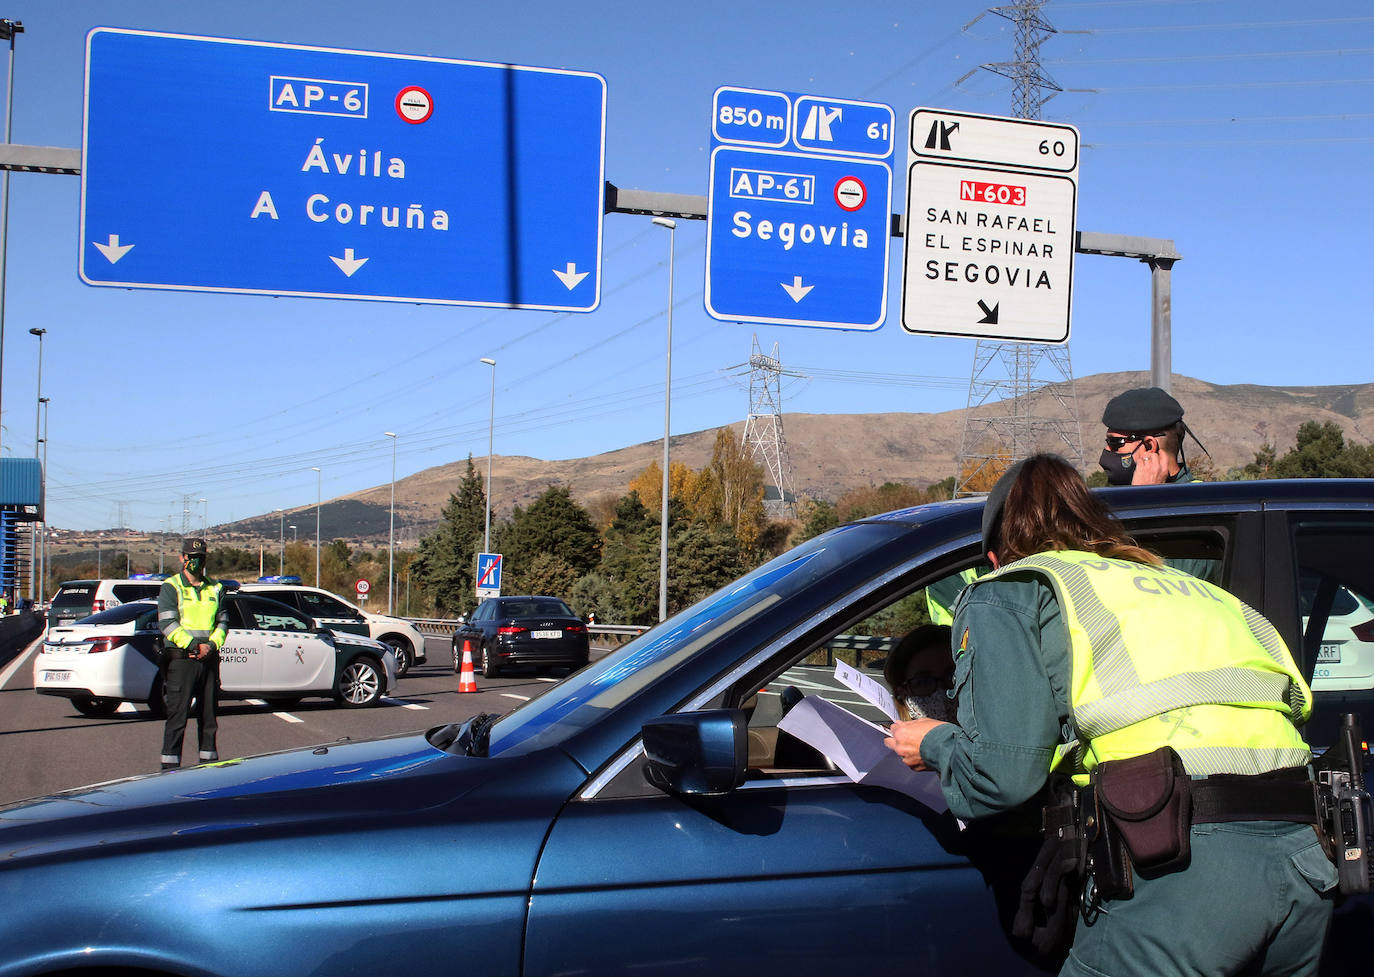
pixel 1180 495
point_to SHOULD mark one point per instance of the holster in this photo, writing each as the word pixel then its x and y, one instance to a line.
pixel 1048 904
pixel 1144 806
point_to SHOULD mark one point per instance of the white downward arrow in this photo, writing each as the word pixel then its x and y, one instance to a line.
pixel 348 264
pixel 113 251
pixel 797 290
pixel 572 276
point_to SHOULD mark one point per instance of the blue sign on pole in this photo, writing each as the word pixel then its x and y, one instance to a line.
pixel 240 166
pixel 488 574
pixel 799 209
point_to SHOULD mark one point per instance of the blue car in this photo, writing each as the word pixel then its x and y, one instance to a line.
pixel 645 815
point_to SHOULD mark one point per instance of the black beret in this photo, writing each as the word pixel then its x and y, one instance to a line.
pixel 193 546
pixel 992 508
pixel 1142 409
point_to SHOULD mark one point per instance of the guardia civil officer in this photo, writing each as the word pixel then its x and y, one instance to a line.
pixel 194 622
pixel 1145 432
pixel 1066 643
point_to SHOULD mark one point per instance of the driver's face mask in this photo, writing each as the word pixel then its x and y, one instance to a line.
pixel 1119 467
pixel 937 705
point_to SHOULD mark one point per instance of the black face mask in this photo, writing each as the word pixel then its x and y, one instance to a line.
pixel 195 564
pixel 1119 468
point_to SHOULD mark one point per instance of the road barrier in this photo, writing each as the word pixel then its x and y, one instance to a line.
pixel 605 634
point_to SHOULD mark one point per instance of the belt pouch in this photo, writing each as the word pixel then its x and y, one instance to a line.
pixel 1148 800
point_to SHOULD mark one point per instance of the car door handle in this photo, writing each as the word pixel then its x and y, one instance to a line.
pixel 274 644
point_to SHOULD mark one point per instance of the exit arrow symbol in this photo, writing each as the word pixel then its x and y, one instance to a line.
pixel 989 315
pixel 572 277
pixel 113 251
pixel 797 290
pixel 348 264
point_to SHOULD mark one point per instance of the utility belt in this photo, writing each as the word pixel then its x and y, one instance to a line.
pixel 1135 815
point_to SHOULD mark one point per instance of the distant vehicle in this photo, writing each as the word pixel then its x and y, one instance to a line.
pixel 76 599
pixel 508 631
pixel 333 612
pixel 1345 656
pixel 272 652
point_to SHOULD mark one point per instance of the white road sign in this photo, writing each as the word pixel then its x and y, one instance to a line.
pixel 990 227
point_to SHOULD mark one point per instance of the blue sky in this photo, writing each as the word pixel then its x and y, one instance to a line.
pixel 1240 130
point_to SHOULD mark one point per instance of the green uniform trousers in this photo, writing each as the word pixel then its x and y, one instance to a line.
pixel 1256 899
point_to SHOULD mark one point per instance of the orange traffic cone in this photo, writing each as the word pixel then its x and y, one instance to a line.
pixel 467 680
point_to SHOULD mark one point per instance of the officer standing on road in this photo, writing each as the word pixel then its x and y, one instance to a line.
pixel 1145 432
pixel 1082 645
pixel 194 621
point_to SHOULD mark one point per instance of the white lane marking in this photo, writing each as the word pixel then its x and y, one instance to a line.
pixel 285 717
pixel 545 678
pixel 404 704
pixel 132 707
pixel 512 695
pixel 19 660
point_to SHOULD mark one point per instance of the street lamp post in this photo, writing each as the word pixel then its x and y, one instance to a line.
pixel 491 434
pixel 318 478
pixel 204 516
pixel 43 502
pixel 293 535
pixel 391 540
pixel 8 30
pixel 667 428
pixel 37 440
pixel 281 542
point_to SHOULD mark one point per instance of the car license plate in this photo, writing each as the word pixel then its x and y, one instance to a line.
pixel 1330 652
pixel 57 676
pixel 546 634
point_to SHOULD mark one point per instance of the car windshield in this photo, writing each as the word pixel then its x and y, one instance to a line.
pixel 582 698
pixel 532 607
pixel 74 596
pixel 120 614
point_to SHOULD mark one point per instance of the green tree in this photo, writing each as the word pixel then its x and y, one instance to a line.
pixel 701 560
pixel 594 593
pixel 546 573
pixel 446 565
pixel 817 516
pixel 629 561
pixel 1321 452
pixel 553 525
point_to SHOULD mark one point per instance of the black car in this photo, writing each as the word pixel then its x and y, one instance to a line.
pixel 532 630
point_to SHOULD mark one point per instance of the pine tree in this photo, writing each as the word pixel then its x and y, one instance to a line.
pixel 446 566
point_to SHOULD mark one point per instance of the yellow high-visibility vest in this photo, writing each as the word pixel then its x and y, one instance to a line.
pixel 1160 657
pixel 198 608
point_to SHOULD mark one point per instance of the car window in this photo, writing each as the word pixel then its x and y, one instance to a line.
pixel 588 694
pixel 1334 583
pixel 78 596
pixel 122 614
pixel 270 615
pixel 549 608
pixel 135 591
pixel 322 605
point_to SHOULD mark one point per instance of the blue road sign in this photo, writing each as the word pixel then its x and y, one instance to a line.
pixel 239 166
pixel 488 574
pixel 799 209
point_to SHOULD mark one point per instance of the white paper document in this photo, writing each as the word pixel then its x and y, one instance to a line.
pixel 856 746
pixel 868 687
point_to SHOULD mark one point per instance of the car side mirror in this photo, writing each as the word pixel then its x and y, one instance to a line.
pixel 699 753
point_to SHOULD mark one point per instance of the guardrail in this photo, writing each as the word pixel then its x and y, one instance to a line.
pixel 617 634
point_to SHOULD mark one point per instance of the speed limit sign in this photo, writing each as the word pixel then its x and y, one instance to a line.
pixel 362 587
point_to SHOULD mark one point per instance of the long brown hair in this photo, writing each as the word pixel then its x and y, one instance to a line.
pixel 1049 507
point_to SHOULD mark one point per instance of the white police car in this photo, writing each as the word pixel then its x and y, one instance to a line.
pixel 272 652
pixel 333 612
